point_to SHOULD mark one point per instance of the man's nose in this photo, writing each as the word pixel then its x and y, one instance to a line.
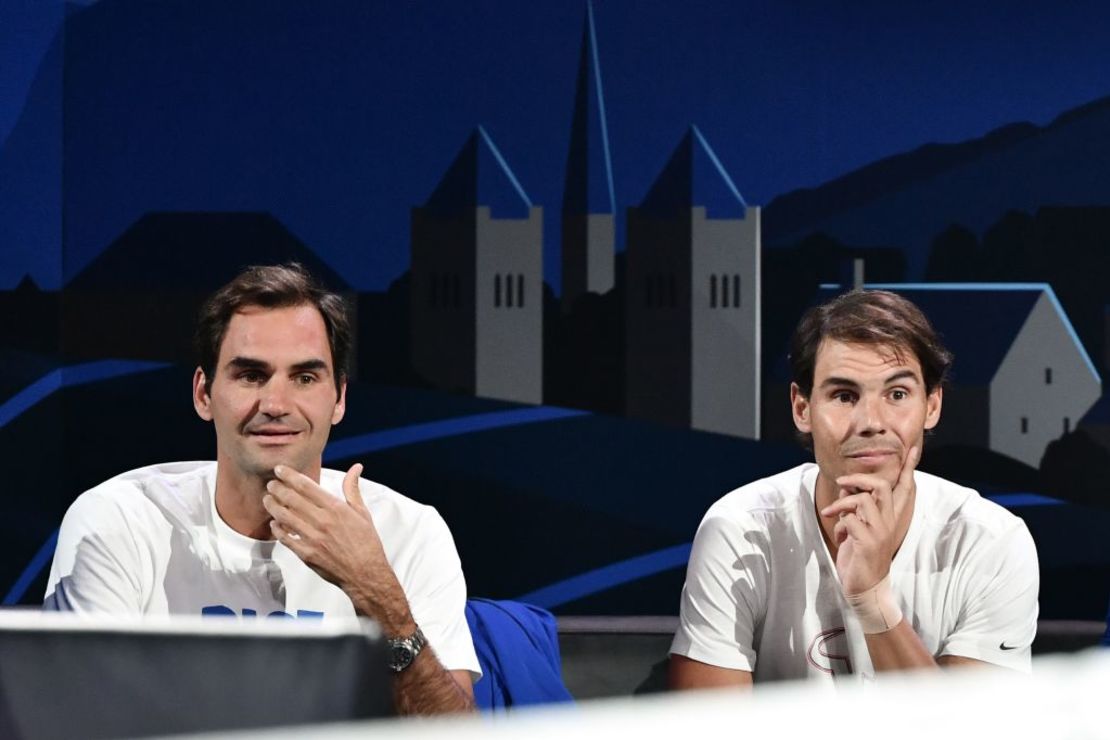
pixel 870 413
pixel 274 399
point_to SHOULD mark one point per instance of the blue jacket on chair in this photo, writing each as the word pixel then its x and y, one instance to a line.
pixel 518 650
pixel 1106 636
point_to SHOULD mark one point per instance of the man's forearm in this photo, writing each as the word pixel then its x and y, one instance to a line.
pixel 898 649
pixel 426 687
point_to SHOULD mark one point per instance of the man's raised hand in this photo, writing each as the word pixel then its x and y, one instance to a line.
pixel 868 513
pixel 337 539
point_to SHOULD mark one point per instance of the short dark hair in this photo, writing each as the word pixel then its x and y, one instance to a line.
pixel 271 286
pixel 874 317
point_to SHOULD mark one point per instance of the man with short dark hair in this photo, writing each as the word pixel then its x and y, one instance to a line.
pixel 265 530
pixel 858 563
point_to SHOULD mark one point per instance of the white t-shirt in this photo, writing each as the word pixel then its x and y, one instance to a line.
pixel 149 541
pixel 762 593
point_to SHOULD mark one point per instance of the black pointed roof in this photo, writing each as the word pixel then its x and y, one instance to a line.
pixel 588 187
pixel 694 176
pixel 479 176
pixel 197 251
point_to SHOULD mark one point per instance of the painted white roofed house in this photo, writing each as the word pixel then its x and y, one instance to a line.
pixel 1021 377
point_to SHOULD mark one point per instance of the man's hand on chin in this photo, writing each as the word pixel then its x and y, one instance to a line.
pixel 868 511
pixel 337 539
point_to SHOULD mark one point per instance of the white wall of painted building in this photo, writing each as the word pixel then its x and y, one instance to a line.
pixel 1043 387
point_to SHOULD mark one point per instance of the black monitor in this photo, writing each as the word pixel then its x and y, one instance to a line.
pixel 65 676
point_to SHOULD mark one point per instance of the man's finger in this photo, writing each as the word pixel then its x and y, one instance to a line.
pixel 350 487
pixel 286 517
pixel 286 537
pixel 905 478
pixel 293 500
pixel 851 526
pixel 905 485
pixel 302 484
pixel 851 504
pixel 860 483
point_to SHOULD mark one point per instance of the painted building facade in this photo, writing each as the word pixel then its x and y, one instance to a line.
pixel 476 298
pixel 693 298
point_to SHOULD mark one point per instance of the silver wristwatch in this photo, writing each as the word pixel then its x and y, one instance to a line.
pixel 403 650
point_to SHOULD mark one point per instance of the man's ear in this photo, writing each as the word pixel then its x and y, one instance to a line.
pixel 202 402
pixel 340 403
pixel 799 407
pixel 932 407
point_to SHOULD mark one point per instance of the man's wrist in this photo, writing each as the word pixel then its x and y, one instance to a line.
pixel 876 608
pixel 390 610
pixel 404 650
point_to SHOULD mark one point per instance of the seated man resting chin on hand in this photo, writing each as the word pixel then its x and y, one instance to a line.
pixel 856 563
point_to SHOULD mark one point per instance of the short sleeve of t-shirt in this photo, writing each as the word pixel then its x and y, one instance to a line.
pixel 998 619
pixel 436 591
pixel 722 600
pixel 97 566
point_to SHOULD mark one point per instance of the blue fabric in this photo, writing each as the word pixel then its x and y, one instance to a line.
pixel 518 650
pixel 1106 635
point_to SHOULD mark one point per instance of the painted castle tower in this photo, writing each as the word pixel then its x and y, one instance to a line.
pixel 588 201
pixel 476 298
pixel 693 296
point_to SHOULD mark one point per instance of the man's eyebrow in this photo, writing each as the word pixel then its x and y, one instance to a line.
pixel 832 382
pixel 309 365
pixel 247 363
pixel 902 375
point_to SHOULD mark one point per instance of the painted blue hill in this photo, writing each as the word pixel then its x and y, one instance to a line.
pixel 909 199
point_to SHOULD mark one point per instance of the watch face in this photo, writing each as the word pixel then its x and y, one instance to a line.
pixel 400 657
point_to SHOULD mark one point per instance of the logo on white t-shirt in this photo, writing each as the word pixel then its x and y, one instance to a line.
pixel 828 653
pixel 219 610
